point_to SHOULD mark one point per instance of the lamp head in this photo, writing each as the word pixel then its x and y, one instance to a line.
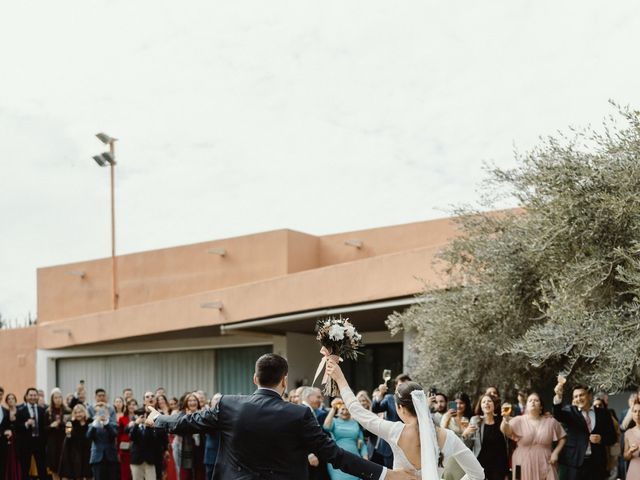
pixel 106 139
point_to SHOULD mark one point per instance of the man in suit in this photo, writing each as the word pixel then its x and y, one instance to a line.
pixel 311 397
pixel 101 402
pixel 104 457
pixel 30 433
pixel 5 434
pixel 147 449
pixel 589 432
pixel 264 437
pixel 383 402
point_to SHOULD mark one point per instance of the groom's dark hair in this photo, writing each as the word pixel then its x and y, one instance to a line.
pixel 271 369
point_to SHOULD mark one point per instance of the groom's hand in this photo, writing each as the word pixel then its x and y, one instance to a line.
pixel 151 418
pixel 402 475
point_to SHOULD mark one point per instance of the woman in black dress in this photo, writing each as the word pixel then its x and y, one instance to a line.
pixel 55 418
pixel 76 449
pixel 488 443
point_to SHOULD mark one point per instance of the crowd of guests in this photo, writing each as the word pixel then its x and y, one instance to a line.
pixel 71 438
pixel 524 440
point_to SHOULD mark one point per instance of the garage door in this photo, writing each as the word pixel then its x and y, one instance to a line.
pixel 226 370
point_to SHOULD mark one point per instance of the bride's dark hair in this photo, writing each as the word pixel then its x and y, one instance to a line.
pixel 403 398
pixel 403 395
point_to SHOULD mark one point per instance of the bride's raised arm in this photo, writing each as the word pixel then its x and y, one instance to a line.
pixel 369 420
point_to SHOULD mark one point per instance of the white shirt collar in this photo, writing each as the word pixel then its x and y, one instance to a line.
pixel 272 389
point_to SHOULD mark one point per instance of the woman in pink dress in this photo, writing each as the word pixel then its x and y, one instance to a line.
pixel 632 445
pixel 534 434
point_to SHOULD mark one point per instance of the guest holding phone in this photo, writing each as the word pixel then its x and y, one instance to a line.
pixel 103 432
pixel 457 420
pixel 457 417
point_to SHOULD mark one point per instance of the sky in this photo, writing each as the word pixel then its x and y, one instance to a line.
pixel 246 116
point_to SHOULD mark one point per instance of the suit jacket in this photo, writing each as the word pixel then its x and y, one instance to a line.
pixel 147 444
pixel 387 406
pixel 573 453
pixel 24 435
pixel 211 446
pixel 264 437
pixel 321 415
pixel 5 424
pixel 103 442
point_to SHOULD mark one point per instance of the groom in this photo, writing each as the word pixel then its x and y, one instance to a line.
pixel 264 437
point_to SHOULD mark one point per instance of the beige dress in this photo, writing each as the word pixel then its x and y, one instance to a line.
pixel 632 436
pixel 534 446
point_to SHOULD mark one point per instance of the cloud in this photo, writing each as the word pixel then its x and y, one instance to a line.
pixel 246 116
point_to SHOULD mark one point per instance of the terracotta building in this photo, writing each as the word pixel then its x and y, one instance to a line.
pixel 197 316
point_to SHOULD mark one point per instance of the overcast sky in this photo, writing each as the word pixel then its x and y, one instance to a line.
pixel 243 116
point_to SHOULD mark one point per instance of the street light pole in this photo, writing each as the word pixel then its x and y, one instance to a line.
pixel 102 160
pixel 114 260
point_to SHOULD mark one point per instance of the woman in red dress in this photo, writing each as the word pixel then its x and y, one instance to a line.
pixel 124 442
pixel 12 467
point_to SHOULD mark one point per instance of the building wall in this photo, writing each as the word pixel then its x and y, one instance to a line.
pixel 386 276
pixel 84 288
pixel 160 274
pixel 18 360
pixel 385 240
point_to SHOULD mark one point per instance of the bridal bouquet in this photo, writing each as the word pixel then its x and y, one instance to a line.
pixel 339 340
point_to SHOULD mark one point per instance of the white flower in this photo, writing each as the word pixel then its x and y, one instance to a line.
pixel 336 332
pixel 350 331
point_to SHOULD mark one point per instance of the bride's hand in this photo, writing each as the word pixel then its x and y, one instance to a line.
pixel 334 370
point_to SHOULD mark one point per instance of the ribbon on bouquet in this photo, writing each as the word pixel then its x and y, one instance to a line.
pixel 326 357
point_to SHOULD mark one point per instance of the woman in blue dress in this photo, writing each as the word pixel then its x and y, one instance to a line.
pixel 347 434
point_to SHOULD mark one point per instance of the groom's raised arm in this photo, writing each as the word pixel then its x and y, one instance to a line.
pixel 182 424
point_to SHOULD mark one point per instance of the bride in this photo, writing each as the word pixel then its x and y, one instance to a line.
pixel 416 442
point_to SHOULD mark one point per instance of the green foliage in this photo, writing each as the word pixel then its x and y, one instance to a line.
pixel 552 287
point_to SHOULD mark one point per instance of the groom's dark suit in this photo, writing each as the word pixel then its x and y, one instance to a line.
pixel 264 437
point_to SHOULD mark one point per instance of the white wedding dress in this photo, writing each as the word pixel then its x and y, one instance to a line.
pixel 391 431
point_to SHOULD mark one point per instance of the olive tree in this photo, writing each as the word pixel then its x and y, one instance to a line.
pixel 553 286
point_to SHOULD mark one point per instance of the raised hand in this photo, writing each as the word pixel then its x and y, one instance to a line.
pixel 559 388
pixel 335 372
pixel 151 418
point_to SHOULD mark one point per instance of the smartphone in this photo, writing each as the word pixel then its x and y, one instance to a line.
pixel 518 473
pixel 452 405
